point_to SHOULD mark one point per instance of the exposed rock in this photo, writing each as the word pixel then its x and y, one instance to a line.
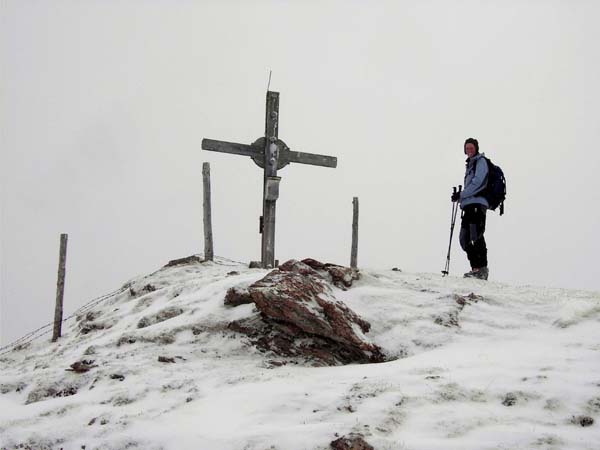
pixel 238 296
pixel 463 300
pixel 166 359
pixel 255 265
pixel 194 259
pixel 166 338
pixel 354 441
pixel 594 404
pixel 86 327
pixel 82 366
pixel 340 276
pixel 43 392
pixel 301 317
pixel 232 273
pixel 126 339
pixel 584 421
pixel 161 316
pixel 117 376
pixel 509 399
pixel 145 290
pixel 303 268
pixel 10 387
pixel 287 340
pixel 450 319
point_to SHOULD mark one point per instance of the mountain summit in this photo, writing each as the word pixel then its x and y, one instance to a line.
pixel 447 363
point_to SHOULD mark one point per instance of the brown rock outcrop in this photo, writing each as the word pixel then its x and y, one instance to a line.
pixel 301 317
pixel 237 296
pixel 353 441
pixel 340 276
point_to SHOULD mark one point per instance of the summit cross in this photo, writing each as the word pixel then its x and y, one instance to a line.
pixel 271 154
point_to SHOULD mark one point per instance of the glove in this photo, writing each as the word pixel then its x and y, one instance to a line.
pixel 455 197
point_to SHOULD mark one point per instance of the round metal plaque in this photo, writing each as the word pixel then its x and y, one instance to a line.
pixel 282 160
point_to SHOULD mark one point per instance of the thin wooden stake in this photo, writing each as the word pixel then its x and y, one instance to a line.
pixel 60 288
pixel 354 251
pixel 208 235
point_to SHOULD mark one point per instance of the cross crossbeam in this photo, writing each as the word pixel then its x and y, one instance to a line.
pixel 271 154
pixel 256 151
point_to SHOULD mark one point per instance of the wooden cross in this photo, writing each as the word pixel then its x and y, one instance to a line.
pixel 271 154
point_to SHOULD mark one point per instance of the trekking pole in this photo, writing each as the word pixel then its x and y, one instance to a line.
pixel 446 270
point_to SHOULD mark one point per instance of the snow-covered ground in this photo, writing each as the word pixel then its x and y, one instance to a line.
pixel 514 368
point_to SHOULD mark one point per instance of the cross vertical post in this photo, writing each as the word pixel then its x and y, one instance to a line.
pixel 271 180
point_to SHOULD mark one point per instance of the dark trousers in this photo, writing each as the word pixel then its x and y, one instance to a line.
pixel 472 227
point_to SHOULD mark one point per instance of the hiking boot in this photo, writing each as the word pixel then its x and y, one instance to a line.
pixel 481 274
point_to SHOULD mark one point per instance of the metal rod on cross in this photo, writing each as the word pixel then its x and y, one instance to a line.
pixel 354 250
pixel 271 154
pixel 206 206
pixel 60 288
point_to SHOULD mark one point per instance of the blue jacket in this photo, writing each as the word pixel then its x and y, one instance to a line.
pixel 476 176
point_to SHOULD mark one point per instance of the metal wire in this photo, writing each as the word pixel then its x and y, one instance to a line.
pixel 43 330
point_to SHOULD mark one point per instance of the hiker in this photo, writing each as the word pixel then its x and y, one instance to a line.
pixel 474 207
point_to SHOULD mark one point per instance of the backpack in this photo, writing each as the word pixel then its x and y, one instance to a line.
pixel 495 191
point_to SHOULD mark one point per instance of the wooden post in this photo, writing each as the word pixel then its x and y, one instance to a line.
pixel 271 180
pixel 354 251
pixel 208 235
pixel 60 288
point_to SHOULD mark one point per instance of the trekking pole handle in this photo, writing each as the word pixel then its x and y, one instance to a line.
pixel 454 189
pixel 460 188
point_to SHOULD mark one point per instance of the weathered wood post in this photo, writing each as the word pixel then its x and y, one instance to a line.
pixel 60 288
pixel 208 235
pixel 354 251
pixel 271 180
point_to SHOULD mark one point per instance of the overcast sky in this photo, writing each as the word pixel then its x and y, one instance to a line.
pixel 104 105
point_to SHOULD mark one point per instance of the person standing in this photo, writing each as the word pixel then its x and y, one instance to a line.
pixel 474 207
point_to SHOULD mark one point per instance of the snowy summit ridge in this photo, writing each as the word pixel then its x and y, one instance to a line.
pixel 470 365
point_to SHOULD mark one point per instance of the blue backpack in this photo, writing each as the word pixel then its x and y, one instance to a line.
pixel 495 191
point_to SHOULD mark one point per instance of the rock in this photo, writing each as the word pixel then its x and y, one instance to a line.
pixel 354 441
pixel 237 296
pixel 88 327
pixel 117 376
pixel 166 359
pixel 303 268
pixel 509 399
pixel 43 392
pixel 340 276
pixel 584 421
pixel 395 269
pixel 82 366
pixel 232 273
pixel 194 259
pixel 301 317
pixel 161 316
pixel 145 290
pixel 10 387
pixel 255 265
pixel 126 339
pixel 287 340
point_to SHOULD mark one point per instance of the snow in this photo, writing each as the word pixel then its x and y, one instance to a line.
pixel 516 373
